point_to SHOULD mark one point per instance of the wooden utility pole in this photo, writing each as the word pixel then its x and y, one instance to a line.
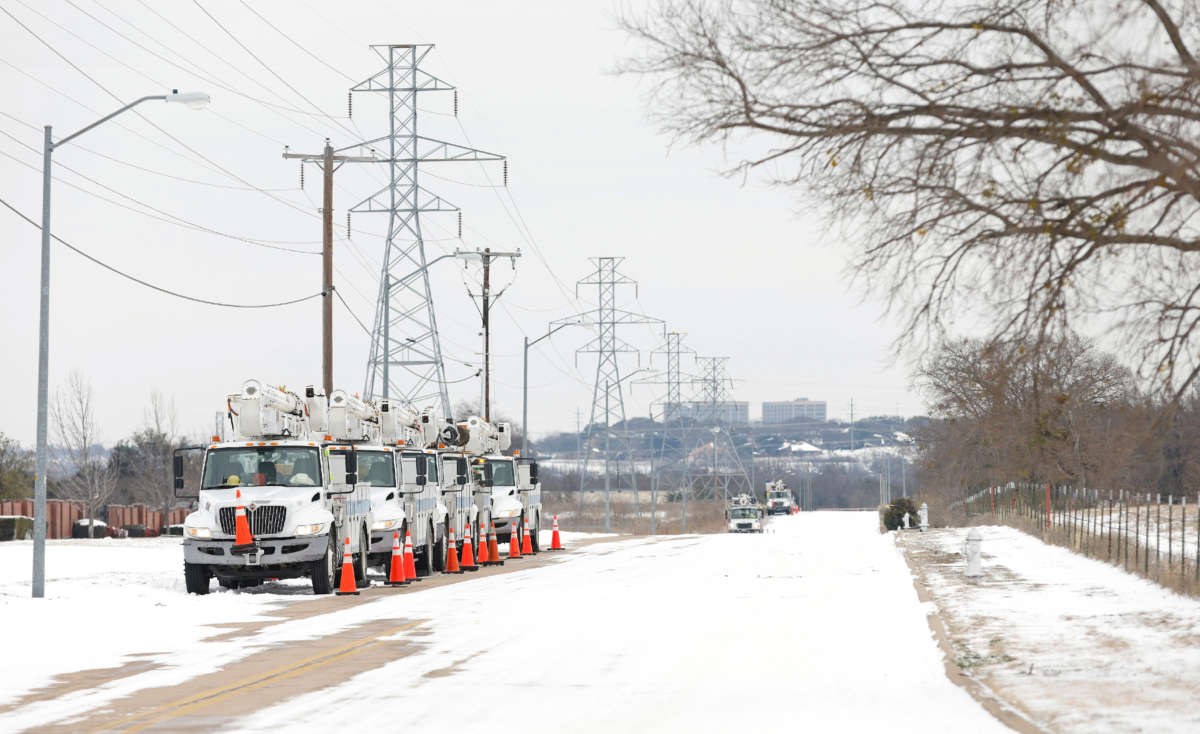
pixel 486 257
pixel 326 160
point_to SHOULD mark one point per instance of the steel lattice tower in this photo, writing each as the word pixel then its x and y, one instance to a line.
pixel 725 474
pixel 405 332
pixel 608 399
pixel 669 465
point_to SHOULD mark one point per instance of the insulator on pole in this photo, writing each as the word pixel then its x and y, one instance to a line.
pixel 349 104
pixel 302 174
pixel 460 225
pixel 347 225
pixel 506 173
pixel 456 103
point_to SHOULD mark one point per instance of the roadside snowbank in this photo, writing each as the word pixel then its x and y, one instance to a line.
pixel 1079 645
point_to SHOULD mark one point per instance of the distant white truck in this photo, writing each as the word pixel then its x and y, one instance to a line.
pixel 300 493
pixel 744 515
pixel 779 498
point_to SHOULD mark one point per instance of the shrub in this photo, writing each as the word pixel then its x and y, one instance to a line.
pixel 16 527
pixel 893 516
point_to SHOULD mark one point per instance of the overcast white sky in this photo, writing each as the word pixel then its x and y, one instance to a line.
pixel 741 268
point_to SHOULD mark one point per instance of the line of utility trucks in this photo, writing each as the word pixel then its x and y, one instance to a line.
pixel 315 472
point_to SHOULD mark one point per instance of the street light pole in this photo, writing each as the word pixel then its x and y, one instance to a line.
pixel 525 385
pixel 191 99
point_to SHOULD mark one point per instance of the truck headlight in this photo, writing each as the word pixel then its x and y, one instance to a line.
pixel 200 533
pixel 384 524
pixel 313 529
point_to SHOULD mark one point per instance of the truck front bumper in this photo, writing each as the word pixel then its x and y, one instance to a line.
pixel 273 554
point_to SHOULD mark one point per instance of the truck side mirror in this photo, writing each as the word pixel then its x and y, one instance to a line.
pixel 422 463
pixel 487 474
pixel 351 468
pixel 185 466
pixel 178 467
pixel 460 468
pixel 533 479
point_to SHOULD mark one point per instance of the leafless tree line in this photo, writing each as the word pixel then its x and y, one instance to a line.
pixel 1071 415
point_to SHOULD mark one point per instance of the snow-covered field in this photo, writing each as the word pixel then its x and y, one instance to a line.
pixel 1077 644
pixel 688 633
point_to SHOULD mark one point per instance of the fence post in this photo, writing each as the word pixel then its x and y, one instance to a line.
pixel 1047 505
pixel 1146 570
pixel 1108 522
pixel 1170 519
pixel 1123 545
pixel 1157 535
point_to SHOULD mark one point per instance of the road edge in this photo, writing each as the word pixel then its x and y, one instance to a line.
pixel 1005 712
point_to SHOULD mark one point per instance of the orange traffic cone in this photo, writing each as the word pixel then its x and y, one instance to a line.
pixel 410 563
pixel 555 542
pixel 468 558
pixel 347 585
pixel 514 542
pixel 396 575
pixel 526 546
pixel 243 541
pixel 493 548
pixel 451 554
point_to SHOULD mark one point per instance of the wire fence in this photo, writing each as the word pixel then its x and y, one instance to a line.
pixel 1156 536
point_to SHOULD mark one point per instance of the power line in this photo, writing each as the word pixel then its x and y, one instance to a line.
pixel 267 66
pixel 151 286
pixel 165 216
pixel 303 48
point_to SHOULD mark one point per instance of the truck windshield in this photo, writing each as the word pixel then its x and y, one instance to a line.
pixel 293 466
pixel 778 495
pixel 502 473
pixel 376 469
pixel 743 513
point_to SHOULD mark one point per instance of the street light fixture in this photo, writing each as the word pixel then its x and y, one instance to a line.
pixel 195 100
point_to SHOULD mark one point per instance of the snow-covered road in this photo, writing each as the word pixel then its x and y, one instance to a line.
pixel 814 625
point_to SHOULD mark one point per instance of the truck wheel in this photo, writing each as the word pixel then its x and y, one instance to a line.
pixel 425 567
pixel 536 534
pixel 439 551
pixel 195 578
pixel 323 570
pixel 360 561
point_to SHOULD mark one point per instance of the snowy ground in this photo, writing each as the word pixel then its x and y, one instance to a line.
pixel 1078 645
pixel 698 633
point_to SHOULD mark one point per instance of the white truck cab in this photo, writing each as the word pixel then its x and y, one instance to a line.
pixel 779 498
pixel 743 515
pixel 515 494
pixel 301 496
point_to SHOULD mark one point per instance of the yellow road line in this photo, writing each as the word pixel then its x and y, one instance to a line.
pixel 220 693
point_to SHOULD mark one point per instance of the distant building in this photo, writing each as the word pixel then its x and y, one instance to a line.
pixel 734 411
pixel 790 411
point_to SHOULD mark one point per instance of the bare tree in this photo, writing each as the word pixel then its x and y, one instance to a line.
pixel 1072 414
pixel 85 475
pixel 1026 163
pixel 144 460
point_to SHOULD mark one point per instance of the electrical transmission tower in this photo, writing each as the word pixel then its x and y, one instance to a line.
pixel 405 332
pixel 608 401
pixel 725 473
pixel 669 460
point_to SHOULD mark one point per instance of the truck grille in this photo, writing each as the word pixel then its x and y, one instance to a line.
pixel 265 520
pixel 743 526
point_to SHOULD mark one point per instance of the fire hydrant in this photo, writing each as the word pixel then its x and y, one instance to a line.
pixel 923 516
pixel 974 554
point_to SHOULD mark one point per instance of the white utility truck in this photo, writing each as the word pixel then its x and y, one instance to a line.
pixel 417 505
pixel 744 515
pixel 779 498
pixel 302 496
pixel 513 492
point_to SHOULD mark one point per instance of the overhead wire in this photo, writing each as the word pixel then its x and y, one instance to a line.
pixel 147 284
pixel 163 216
